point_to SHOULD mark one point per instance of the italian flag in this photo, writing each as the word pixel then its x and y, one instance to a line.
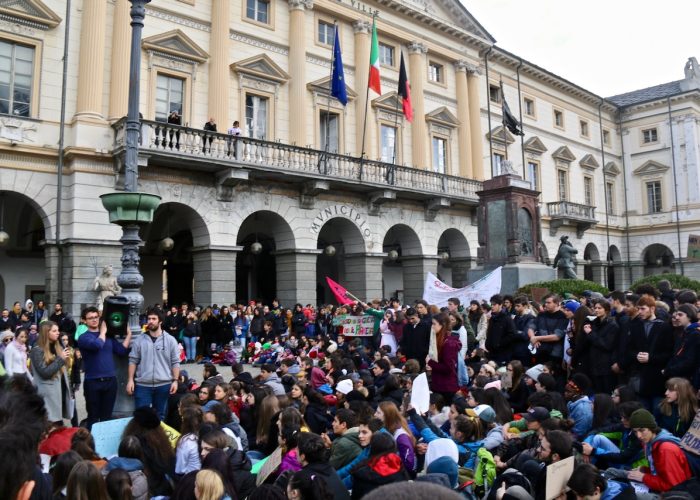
pixel 374 81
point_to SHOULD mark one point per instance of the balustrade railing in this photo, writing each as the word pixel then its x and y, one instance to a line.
pixel 248 152
pixel 569 209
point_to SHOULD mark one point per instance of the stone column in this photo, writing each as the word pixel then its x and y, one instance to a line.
pixel 362 31
pixel 415 268
pixel 475 123
pixel 214 275
pixel 296 276
pixel 460 271
pixel 464 130
pixel 218 63
pixel 363 275
pixel 598 272
pixel 119 72
pixel 419 130
pixel 297 72
pixel 92 59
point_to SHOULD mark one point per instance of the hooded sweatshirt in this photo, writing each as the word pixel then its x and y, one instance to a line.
pixel 154 359
pixel 376 472
pixel 134 466
pixel 667 462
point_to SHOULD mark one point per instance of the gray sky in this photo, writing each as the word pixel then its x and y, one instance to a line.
pixel 606 46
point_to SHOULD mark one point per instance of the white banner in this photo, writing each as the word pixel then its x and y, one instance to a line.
pixel 436 292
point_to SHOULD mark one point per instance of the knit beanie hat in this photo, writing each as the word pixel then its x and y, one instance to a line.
pixel 642 419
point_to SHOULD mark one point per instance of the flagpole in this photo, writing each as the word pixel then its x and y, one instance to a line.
pixel 364 128
pixel 503 119
pixel 323 157
pixel 396 129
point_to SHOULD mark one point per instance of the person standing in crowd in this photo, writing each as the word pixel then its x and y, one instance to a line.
pixel 154 366
pixel 686 359
pixel 601 341
pixel 547 336
pixel 15 360
pixel 416 337
pixel 191 334
pixel 62 319
pixel 444 369
pixel 48 362
pixel 500 334
pixel 98 351
pixel 650 349
pixel 523 321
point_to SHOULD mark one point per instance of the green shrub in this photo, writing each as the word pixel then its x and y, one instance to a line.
pixel 677 281
pixel 560 287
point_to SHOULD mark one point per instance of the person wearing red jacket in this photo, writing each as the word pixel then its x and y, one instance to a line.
pixel 668 465
pixel 444 369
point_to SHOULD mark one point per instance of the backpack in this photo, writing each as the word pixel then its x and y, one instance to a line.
pixel 511 477
pixel 475 483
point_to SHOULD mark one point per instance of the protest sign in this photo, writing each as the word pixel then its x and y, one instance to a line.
pixel 355 326
pixel 172 434
pixel 108 435
pixel 558 475
pixel 420 393
pixel 271 464
pixel 690 441
pixel 436 292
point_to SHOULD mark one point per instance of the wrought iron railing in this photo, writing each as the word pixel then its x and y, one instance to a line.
pixel 569 209
pixel 252 153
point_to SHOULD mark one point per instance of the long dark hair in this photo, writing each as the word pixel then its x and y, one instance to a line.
pixel 311 487
pixel 603 406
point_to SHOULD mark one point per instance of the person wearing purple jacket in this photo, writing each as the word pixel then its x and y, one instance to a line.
pixel 444 369
pixel 98 351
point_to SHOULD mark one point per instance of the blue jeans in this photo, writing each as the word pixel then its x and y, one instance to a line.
pixel 190 344
pixel 154 397
pixel 603 443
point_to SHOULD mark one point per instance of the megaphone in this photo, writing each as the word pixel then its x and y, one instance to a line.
pixel 115 313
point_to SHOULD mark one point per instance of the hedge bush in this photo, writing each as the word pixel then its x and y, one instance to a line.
pixel 677 281
pixel 560 287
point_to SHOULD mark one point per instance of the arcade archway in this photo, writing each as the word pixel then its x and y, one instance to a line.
pixel 22 257
pixel 592 267
pixel 405 266
pixel 658 259
pixel 615 268
pixel 454 259
pixel 167 255
pixel 341 245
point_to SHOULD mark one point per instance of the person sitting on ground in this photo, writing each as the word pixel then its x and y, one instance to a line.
pixel 587 482
pixel 668 465
pixel 382 467
pixel 313 457
pixel 346 443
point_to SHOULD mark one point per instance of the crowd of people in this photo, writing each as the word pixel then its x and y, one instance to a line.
pixel 610 383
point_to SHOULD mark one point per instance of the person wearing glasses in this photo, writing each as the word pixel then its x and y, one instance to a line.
pixel 98 351
pixel 154 365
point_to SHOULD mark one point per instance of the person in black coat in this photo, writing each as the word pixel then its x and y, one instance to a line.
pixel 316 413
pixel 650 349
pixel 601 341
pixel 416 338
pixel 313 456
pixel 299 320
pixel 686 359
pixel 501 333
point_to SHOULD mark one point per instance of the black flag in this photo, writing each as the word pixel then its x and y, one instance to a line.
pixel 509 121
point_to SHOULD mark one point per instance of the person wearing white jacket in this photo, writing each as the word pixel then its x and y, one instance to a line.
pixel 16 355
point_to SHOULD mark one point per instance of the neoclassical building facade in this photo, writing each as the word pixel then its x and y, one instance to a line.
pixel 312 188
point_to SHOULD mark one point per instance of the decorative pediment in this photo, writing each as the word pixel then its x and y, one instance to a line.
pixel 500 134
pixel 388 102
pixel 589 162
pixel 651 167
pixel 535 145
pixel 612 169
pixel 29 12
pixel 455 11
pixel 321 87
pixel 175 44
pixel 261 67
pixel 442 116
pixel 564 154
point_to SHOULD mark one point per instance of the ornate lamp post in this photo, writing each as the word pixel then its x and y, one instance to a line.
pixel 131 209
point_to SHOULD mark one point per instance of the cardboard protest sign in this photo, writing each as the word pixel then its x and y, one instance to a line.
pixel 691 439
pixel 558 475
pixel 108 435
pixel 172 434
pixel 355 326
pixel 271 464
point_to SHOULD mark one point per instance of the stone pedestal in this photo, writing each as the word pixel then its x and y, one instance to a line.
pixel 296 276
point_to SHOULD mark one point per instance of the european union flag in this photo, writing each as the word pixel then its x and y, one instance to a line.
pixel 338 89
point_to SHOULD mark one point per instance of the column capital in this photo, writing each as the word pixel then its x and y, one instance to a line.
pixel 417 48
pixel 464 66
pixel 361 27
pixel 300 4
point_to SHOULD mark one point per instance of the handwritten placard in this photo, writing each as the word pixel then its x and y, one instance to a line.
pixel 355 326
pixel 108 435
pixel 558 475
pixel 271 465
pixel 691 439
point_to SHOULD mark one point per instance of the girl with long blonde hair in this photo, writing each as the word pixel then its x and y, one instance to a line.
pixel 208 485
pixel 679 406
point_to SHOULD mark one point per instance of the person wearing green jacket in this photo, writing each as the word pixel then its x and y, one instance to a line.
pixel 346 445
pixel 378 314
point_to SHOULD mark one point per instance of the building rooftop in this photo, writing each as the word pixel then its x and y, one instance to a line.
pixel 648 94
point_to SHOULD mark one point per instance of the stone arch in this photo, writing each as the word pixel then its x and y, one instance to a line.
pixel 23 259
pixel 405 268
pixel 174 270
pixel 341 256
pixel 615 268
pixel 592 266
pixel 454 245
pixel 658 259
